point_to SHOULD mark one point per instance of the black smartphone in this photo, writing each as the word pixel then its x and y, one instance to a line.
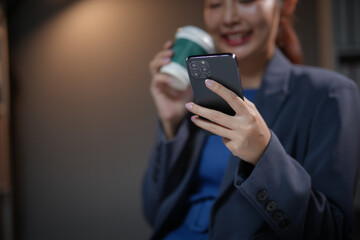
pixel 221 67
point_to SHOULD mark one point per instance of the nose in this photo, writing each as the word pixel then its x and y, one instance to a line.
pixel 230 13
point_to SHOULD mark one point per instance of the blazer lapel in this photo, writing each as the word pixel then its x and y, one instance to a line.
pixel 269 99
pixel 274 88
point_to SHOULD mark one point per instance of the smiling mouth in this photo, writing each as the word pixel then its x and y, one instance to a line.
pixel 236 39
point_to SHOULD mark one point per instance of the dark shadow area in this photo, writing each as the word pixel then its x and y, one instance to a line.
pixel 25 16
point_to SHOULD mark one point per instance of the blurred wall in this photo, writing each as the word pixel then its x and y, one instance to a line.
pixel 83 118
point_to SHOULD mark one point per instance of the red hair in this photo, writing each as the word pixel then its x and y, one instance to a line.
pixel 287 40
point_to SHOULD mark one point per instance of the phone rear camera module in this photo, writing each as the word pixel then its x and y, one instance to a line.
pixel 204 69
pixel 196 74
pixel 193 65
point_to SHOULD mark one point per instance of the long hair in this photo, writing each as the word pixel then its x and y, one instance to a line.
pixel 287 40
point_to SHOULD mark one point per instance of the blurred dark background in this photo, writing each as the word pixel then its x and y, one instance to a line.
pixel 77 120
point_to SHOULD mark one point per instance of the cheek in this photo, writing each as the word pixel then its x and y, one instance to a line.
pixel 212 21
pixel 252 16
pixel 270 22
pixel 262 18
pixel 270 12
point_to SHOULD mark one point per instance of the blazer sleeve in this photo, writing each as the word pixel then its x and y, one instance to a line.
pixel 163 173
pixel 314 199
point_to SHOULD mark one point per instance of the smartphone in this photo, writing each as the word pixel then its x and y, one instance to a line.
pixel 221 67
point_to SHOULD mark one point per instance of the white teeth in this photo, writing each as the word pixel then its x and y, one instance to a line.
pixel 235 36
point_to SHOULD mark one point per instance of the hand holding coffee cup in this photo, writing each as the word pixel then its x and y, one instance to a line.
pixel 189 40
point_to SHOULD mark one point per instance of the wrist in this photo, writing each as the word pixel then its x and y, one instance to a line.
pixel 262 149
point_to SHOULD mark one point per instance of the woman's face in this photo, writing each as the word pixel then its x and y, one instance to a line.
pixel 247 28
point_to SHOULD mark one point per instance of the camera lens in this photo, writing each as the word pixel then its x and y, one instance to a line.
pixel 193 65
pixel 204 69
pixel 196 74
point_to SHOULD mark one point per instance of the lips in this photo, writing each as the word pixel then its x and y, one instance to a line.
pixel 236 39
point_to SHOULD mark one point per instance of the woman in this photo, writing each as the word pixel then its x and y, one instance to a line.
pixel 284 167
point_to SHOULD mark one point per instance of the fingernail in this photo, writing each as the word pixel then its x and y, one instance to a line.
pixel 189 106
pixel 166 60
pixel 209 82
pixel 193 118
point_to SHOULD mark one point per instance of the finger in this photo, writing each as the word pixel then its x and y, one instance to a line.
pixel 211 127
pixel 168 44
pixel 165 53
pixel 163 82
pixel 160 60
pixel 212 115
pixel 157 63
pixel 235 102
pixel 162 79
pixel 249 103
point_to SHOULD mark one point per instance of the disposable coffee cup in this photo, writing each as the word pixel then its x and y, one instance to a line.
pixel 189 40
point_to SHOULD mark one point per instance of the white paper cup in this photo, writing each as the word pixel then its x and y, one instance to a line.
pixel 189 40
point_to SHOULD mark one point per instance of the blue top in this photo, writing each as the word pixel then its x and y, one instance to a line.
pixel 214 159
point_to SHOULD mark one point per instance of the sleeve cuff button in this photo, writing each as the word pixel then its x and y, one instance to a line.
pixel 270 206
pixel 278 215
pixel 262 196
pixel 284 223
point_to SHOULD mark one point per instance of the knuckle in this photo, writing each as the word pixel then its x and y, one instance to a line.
pixel 252 116
pixel 252 105
pixel 251 126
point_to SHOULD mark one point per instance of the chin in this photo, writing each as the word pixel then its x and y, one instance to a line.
pixel 241 53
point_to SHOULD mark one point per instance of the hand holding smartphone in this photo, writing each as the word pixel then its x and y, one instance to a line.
pixel 221 68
